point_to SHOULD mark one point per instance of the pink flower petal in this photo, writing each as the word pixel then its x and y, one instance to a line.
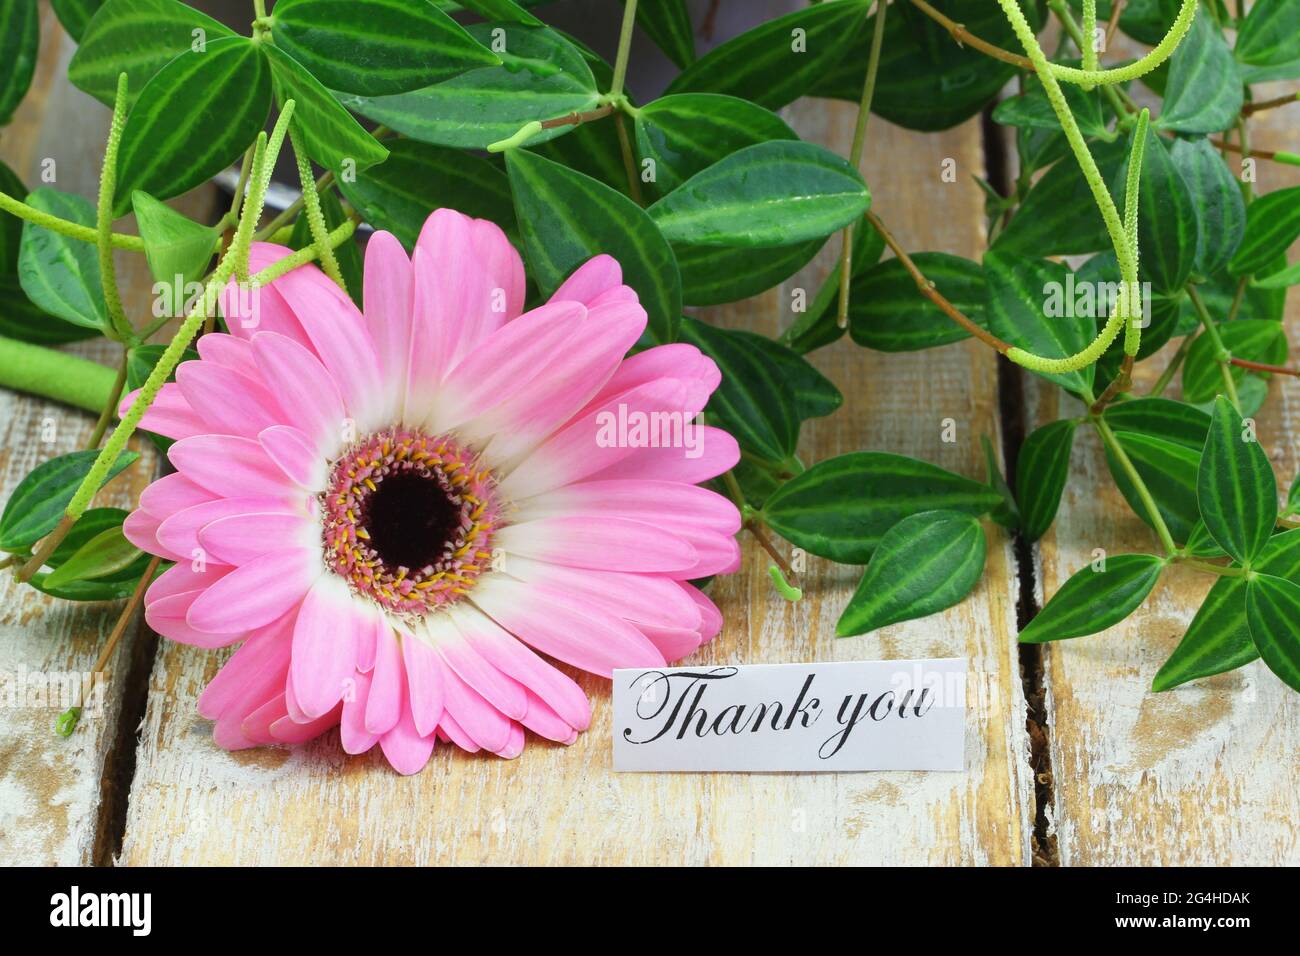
pixel 611 544
pixel 545 722
pixel 352 727
pixel 180 533
pixel 262 658
pixel 230 352
pixel 296 455
pixel 248 311
pixel 641 598
pixel 482 722
pixel 711 623
pixel 325 645
pixel 386 693
pixel 256 593
pixel 229 465
pixel 172 493
pixel 424 683
pixel 405 747
pixel 289 731
pixel 141 529
pixel 299 381
pixel 451 731
pixel 170 415
pixel 719 453
pixel 167 617
pixel 590 280
pixel 673 643
pixel 388 307
pixel 498 689
pixel 229 403
pixel 670 504
pixel 238 539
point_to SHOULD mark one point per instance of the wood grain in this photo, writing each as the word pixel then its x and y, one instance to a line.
pixel 1203 774
pixel 193 803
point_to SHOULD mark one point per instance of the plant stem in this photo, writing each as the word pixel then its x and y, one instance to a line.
pixel 73 230
pixel 1116 449
pixel 122 330
pixel 629 161
pixel 855 155
pixel 53 374
pixel 927 289
pixel 110 406
pixel 755 527
pixel 624 48
pixel 1171 369
pixel 1242 285
pixel 1222 355
pixel 1263 367
pixel 1223 570
pixel 1252 108
pixel 965 38
pixel 1116 11
pixel 1122 382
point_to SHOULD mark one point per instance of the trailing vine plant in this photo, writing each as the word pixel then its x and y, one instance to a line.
pixel 705 195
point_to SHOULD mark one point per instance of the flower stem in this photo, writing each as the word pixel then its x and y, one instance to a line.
pixel 1222 355
pixel 110 406
pixel 624 48
pixel 121 326
pixel 73 230
pixel 53 374
pixel 1149 502
pixel 855 156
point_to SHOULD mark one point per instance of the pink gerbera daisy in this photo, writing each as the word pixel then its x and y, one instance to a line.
pixel 393 511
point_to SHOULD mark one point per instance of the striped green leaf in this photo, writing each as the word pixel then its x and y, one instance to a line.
pixel 174 244
pixel 506 10
pixel 139 38
pixel 19 41
pixel 1033 110
pixel 1218 638
pixel 926 81
pixel 566 218
pixel 110 586
pixel 778 193
pixel 140 362
pixel 1163 418
pixel 1169 470
pixel 1018 300
pixel 543 75
pixel 1235 486
pixel 924 564
pixel 193 119
pixel 378 47
pixel 75 15
pixel 1041 471
pixel 1273 612
pixel 61 275
pixel 1270 34
pixel 1095 598
pixel 1257 340
pixel 780 60
pixel 840 507
pixel 1272 224
pixel 38 503
pixel 330 134
pixel 22 319
pixel 106 553
pixel 1168 228
pixel 668 24
pixel 819 324
pixel 11 226
pixel 1219 207
pixel 1204 93
pixel 886 313
pixel 687 132
pixel 1282 279
pixel 712 275
pixel 416 178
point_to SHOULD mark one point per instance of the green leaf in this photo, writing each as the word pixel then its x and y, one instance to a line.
pixel 1217 640
pixel 1168 469
pixel 688 132
pixel 1168 228
pixel 778 193
pixel 542 76
pixel 348 254
pixel 102 555
pixel 174 244
pixel 1058 216
pixel 139 38
pixel 1270 34
pixel 1272 224
pixel 1041 471
pixel 1219 207
pixel 112 586
pixel 1204 93
pixel 926 81
pixel 38 503
pixel 400 192
pixel 1163 418
pixel 1256 340
pixel 778 61
pixel 1093 600
pixel 19 42
pixel 888 313
pixel 193 119
pixel 712 275
pixel 1282 279
pixel 330 134
pixel 566 218
pixel 22 319
pixel 1273 612
pixel 924 564
pixel 506 10
pixel 668 24
pixel 75 14
pixel 139 364
pixel 60 274
pixel 11 226
pixel 840 507
pixel 376 48
pixel 1007 513
pixel 1034 110
pixel 1026 306
pixel 1236 487
pixel 819 324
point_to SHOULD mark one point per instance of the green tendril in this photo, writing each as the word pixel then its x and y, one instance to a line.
pixel 786 590
pixel 1132 71
pixel 315 217
pixel 118 321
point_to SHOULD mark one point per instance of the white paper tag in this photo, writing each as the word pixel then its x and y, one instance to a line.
pixel 858 715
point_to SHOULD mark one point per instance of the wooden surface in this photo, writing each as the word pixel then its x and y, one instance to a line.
pixel 1205 774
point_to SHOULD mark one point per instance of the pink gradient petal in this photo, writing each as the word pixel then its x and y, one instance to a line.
pixel 590 280
pixel 228 402
pixel 388 307
pixel 711 617
pixel 482 722
pixel 183 577
pixel 229 465
pixel 352 727
pixel 386 694
pixel 499 690
pixel 299 381
pixel 241 538
pixel 673 643
pixel 286 730
pixel 180 533
pixel 405 747
pixel 229 352
pixel 719 453
pixel 262 309
pixel 167 616
pixel 141 529
pixel 325 645
pixel 263 659
pixel 424 684
pixel 670 504
pixel 514 745
pixel 677 360
pixel 170 415
pixel 545 722
pixel 296 455
pixel 451 731
pixel 257 593
pixel 172 493
pixel 611 544
pixel 641 598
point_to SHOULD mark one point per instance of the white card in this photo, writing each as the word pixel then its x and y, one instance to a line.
pixel 844 716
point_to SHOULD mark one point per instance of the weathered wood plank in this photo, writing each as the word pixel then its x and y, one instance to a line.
pixel 1203 774
pixel 192 803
